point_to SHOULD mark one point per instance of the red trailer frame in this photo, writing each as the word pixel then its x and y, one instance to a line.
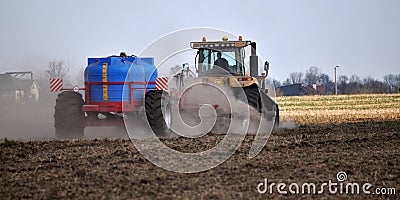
pixel 113 106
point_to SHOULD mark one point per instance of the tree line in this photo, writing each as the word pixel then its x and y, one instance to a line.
pixel 312 76
pixel 59 69
pixel 346 84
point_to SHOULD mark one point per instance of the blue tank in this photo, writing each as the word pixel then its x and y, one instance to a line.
pixel 119 69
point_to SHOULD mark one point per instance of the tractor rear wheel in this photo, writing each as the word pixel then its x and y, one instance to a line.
pixel 158 112
pixel 69 118
pixel 276 108
pixel 253 97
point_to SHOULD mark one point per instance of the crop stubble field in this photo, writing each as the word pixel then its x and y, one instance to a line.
pixel 340 108
pixel 357 134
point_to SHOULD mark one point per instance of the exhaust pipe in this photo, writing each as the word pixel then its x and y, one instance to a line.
pixel 253 60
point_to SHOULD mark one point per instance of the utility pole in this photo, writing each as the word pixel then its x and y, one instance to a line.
pixel 335 79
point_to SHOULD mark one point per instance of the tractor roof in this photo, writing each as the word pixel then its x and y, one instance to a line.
pixel 218 44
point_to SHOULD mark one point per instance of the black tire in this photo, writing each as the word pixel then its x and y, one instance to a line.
pixel 253 97
pixel 154 112
pixel 69 118
pixel 254 100
pixel 271 106
pixel 276 109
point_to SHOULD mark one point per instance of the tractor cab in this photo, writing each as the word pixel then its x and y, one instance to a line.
pixel 225 58
pixel 219 58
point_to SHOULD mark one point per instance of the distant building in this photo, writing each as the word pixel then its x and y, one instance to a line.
pixel 297 90
pixel 18 91
pixel 319 88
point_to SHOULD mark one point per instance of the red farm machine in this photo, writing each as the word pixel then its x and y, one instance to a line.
pixel 113 85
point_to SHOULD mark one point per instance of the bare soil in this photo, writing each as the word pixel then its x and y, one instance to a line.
pixel 114 169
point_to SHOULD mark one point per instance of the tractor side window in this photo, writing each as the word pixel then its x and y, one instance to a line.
pixel 204 60
pixel 230 57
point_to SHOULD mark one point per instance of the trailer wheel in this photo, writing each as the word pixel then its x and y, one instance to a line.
pixel 158 112
pixel 68 115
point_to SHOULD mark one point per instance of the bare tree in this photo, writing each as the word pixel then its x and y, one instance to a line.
pixel 355 85
pixel 56 69
pixel 174 70
pixel 296 77
pixel 343 79
pixel 343 82
pixel 354 79
pixel 286 82
pixel 276 83
pixel 398 83
pixel 327 84
pixel 372 86
pixel 79 79
pixel 393 82
pixel 312 75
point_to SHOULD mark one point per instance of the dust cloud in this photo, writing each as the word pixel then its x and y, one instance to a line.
pixel 204 119
pixel 31 121
pixel 27 121
pixel 287 125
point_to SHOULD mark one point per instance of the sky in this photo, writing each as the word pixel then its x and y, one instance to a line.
pixel 361 36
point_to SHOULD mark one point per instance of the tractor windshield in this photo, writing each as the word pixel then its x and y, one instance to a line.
pixel 217 62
